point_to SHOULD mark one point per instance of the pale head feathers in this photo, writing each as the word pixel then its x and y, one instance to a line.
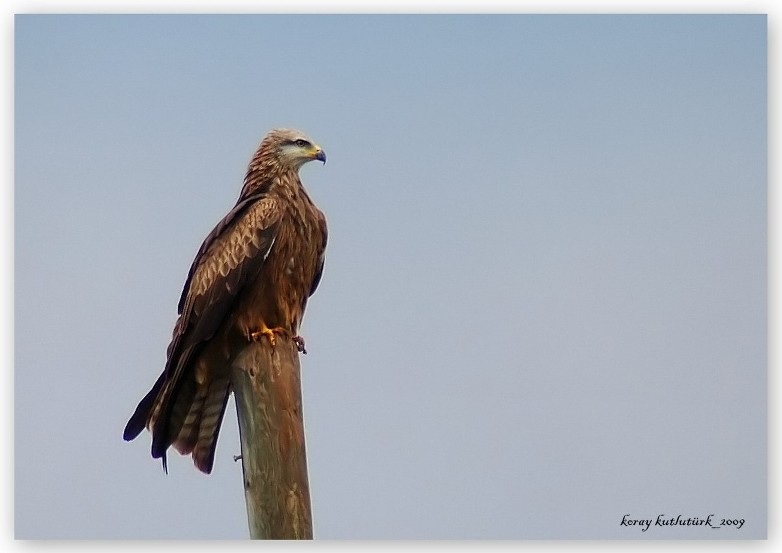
pixel 281 151
pixel 292 148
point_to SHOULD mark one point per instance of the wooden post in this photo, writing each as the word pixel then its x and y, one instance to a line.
pixel 267 386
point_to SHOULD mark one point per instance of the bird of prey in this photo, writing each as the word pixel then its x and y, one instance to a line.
pixel 250 281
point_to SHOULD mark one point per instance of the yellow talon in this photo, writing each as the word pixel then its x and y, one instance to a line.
pixel 270 333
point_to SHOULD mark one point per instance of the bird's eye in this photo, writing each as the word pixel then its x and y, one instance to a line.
pixel 301 143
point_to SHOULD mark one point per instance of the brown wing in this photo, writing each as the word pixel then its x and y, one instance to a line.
pixel 229 258
pixel 321 254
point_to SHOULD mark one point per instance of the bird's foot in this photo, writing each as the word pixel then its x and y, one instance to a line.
pixel 270 333
pixel 299 341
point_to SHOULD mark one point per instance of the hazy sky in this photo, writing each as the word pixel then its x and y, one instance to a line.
pixel 544 303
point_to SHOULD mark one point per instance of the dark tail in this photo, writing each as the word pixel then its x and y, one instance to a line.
pixel 187 416
pixel 138 421
pixel 196 416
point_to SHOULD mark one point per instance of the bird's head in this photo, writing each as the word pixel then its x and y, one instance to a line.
pixel 294 148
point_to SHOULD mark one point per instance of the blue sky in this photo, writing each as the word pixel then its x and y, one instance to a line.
pixel 545 290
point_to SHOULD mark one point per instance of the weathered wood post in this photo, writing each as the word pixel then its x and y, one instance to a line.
pixel 267 385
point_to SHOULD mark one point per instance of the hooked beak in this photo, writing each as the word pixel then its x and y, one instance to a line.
pixel 321 156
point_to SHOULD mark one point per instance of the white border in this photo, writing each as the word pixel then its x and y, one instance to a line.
pixel 10 7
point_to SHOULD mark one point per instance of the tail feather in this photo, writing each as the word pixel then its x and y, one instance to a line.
pixel 182 404
pixel 188 435
pixel 172 404
pixel 184 414
pixel 140 417
pixel 209 424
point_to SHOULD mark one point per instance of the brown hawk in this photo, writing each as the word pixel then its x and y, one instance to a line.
pixel 250 280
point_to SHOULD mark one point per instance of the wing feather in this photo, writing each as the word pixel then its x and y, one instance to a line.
pixel 321 253
pixel 230 257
